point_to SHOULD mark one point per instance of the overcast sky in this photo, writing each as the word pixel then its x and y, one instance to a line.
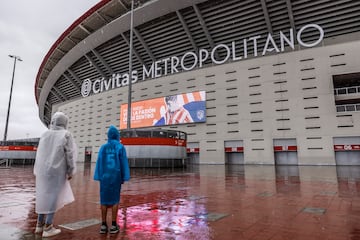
pixel 28 29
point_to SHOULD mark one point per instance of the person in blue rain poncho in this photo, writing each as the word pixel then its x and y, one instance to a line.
pixel 112 170
pixel 55 165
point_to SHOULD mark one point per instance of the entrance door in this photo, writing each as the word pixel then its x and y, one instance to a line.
pixel 88 151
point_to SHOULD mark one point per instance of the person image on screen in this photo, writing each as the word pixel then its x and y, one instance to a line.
pixel 161 121
pixel 54 167
pixel 112 170
pixel 176 113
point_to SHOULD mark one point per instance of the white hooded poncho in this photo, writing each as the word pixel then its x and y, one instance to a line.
pixel 55 161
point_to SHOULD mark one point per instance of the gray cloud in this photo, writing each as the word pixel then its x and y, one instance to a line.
pixel 28 29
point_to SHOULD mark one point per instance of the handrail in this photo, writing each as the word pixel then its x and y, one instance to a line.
pixel 4 162
pixel 158 133
pixel 347 90
pixel 348 108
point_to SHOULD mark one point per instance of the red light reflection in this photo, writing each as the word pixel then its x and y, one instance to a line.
pixel 175 217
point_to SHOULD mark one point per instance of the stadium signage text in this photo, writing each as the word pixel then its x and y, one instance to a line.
pixel 115 81
pixel 191 60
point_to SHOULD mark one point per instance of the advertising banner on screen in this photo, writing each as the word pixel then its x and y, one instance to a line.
pixel 169 110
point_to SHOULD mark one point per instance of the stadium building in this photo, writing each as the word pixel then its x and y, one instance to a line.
pixel 257 81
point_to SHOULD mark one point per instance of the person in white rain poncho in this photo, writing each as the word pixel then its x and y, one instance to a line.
pixel 54 167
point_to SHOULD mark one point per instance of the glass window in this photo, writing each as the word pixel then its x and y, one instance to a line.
pixel 341 91
pixel 350 108
pixel 352 90
pixel 340 108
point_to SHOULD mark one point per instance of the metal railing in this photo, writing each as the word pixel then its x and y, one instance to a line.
pixel 159 133
pixel 347 90
pixel 4 163
pixel 348 108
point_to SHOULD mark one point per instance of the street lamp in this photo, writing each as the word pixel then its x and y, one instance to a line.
pixel 16 58
pixel 130 65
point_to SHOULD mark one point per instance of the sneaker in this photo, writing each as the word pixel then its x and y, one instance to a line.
pixel 114 229
pixel 39 228
pixel 103 229
pixel 50 231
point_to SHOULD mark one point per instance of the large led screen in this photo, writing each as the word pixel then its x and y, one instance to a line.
pixel 169 110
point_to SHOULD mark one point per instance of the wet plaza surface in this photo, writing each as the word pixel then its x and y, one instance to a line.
pixel 199 202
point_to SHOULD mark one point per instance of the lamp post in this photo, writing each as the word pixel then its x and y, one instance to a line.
pixel 16 58
pixel 130 65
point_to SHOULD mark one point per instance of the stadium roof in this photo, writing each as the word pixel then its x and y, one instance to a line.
pixel 97 44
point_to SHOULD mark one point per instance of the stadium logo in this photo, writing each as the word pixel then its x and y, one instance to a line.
pixel 200 114
pixel 99 85
pixel 86 88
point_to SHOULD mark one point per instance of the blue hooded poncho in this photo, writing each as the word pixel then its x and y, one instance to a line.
pixel 112 168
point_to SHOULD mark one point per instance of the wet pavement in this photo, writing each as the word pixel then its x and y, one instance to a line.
pixel 199 202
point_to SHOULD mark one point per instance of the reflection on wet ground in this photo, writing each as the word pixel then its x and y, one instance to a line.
pixel 199 202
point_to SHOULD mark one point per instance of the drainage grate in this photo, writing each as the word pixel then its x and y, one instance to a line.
pixel 328 193
pixel 314 210
pixel 195 198
pixel 265 194
pixel 81 224
pixel 9 232
pixel 10 204
pixel 212 217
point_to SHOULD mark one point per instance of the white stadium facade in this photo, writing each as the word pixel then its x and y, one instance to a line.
pixel 280 79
